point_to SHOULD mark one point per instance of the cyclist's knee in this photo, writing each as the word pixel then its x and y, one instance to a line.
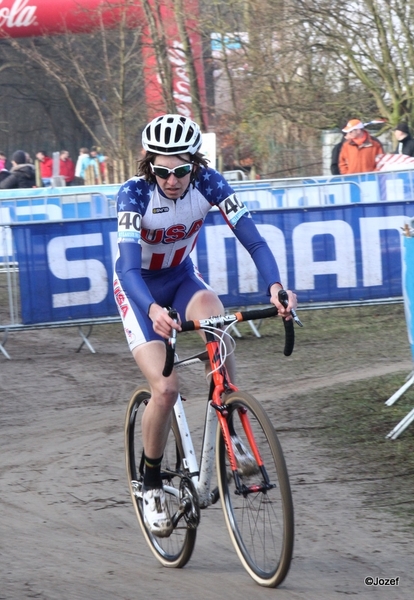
pixel 164 393
pixel 204 304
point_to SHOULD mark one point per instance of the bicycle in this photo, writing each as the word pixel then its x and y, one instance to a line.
pixel 253 482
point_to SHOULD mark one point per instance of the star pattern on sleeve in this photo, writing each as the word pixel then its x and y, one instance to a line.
pixel 213 186
pixel 131 195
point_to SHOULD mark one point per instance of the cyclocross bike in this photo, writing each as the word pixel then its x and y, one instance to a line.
pixel 253 483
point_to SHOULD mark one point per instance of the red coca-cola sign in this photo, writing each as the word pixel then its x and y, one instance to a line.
pixel 30 18
pixel 33 18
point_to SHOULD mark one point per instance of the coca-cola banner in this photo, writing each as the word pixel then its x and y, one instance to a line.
pixel 31 18
pixel 166 15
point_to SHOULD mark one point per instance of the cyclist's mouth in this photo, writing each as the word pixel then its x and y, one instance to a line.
pixel 173 191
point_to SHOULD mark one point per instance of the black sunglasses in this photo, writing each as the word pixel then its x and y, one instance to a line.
pixel 164 172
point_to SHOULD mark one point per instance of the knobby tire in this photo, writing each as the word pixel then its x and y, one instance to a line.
pixel 175 550
pixel 260 524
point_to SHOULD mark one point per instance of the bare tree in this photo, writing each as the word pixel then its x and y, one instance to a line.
pixel 371 45
pixel 302 67
pixel 166 37
pixel 270 90
pixel 100 76
pixel 284 71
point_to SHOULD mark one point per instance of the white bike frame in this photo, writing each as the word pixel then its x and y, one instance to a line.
pixel 201 478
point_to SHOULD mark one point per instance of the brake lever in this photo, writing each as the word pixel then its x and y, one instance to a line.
pixel 283 299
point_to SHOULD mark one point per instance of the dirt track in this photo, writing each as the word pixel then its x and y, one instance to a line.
pixel 68 530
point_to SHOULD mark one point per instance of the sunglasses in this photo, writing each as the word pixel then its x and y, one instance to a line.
pixel 178 172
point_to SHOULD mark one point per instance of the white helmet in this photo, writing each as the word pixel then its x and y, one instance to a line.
pixel 171 134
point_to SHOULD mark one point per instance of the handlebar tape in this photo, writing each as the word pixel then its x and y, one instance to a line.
pixel 188 325
pixel 289 327
pixel 170 347
pixel 289 337
pixel 169 360
pixel 260 313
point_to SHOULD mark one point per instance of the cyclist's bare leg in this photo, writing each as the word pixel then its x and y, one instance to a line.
pixel 156 423
pixel 202 305
pixel 150 358
pixel 156 420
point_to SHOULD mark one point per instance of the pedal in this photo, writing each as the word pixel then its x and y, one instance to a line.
pixel 136 488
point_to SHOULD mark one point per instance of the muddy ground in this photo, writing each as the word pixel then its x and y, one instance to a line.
pixel 67 527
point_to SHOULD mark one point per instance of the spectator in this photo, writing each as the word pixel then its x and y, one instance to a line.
pixel 3 174
pixel 66 167
pixel 4 161
pixel 87 168
pixel 404 139
pixel 358 153
pixel 336 150
pixel 45 164
pixel 78 180
pixel 22 174
pixel 101 159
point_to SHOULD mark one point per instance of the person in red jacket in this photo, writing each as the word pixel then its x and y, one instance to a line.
pixel 360 150
pixel 45 165
pixel 66 167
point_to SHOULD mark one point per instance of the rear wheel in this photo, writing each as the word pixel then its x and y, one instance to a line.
pixel 175 550
pixel 260 520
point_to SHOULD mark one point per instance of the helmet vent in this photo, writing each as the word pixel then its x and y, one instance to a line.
pixel 172 134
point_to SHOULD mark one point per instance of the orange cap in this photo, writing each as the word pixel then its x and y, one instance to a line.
pixel 353 124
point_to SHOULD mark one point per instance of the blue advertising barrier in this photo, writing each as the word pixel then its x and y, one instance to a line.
pixel 408 287
pixel 89 202
pixel 408 293
pixel 57 204
pixel 53 205
pixel 325 254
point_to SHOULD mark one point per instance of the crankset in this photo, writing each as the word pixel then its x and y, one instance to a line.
pixel 189 501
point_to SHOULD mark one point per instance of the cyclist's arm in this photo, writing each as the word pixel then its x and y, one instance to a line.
pixel 136 288
pixel 248 235
pixel 131 209
pixel 239 220
pixel 129 267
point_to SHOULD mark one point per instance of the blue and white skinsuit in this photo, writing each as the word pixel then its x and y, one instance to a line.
pixel 155 238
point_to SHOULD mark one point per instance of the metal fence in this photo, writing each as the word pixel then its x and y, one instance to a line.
pixel 336 241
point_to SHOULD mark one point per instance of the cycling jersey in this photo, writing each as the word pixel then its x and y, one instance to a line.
pixel 156 235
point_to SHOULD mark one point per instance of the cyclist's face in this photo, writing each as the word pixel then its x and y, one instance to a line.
pixel 173 187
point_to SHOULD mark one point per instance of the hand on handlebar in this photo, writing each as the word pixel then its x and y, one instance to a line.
pixel 286 303
pixel 162 322
pixel 284 309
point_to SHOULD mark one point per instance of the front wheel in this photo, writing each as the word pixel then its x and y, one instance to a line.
pixel 175 550
pixel 259 516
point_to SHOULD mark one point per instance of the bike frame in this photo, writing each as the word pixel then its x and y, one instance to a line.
pixel 216 409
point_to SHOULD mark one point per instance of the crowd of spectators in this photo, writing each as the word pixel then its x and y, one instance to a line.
pixel 24 172
pixel 358 150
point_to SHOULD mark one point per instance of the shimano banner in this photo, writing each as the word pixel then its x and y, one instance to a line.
pixel 350 252
pixel 408 288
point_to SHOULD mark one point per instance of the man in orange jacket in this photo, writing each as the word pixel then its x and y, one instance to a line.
pixel 359 152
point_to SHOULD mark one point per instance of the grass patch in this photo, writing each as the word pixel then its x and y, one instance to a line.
pixel 355 424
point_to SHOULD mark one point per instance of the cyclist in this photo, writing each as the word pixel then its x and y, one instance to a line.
pixel 160 212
